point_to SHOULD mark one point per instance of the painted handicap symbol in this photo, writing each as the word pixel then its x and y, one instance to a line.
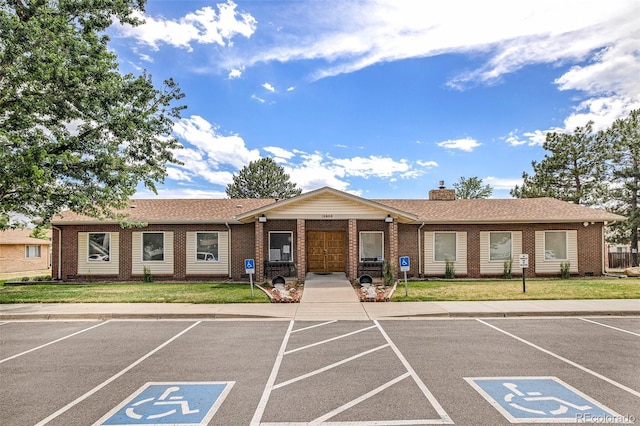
pixel 541 399
pixel 537 398
pixel 169 403
pixel 162 400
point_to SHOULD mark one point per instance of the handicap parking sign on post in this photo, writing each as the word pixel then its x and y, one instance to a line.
pixel 169 403
pixel 249 266
pixel 405 263
pixel 539 400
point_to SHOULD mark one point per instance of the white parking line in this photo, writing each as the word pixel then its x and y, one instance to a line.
pixel 51 343
pixel 313 326
pixel 611 327
pixel 410 372
pixel 563 359
pixel 329 340
pixel 112 378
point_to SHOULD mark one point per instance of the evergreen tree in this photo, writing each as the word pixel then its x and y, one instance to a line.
pixel 263 178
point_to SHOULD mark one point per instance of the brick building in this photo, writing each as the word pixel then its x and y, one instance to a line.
pixel 327 230
pixel 19 252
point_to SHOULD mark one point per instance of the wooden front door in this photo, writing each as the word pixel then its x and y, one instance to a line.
pixel 326 251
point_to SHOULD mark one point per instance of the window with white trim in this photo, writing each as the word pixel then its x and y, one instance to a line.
pixel 153 246
pixel 500 246
pixel 281 246
pixel 99 247
pixel 555 245
pixel 444 246
pixel 33 251
pixel 371 246
pixel 207 247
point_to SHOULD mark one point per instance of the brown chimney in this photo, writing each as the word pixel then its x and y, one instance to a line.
pixel 442 194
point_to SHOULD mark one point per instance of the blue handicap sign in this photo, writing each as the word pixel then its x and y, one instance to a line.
pixel 249 264
pixel 179 404
pixel 404 263
pixel 539 400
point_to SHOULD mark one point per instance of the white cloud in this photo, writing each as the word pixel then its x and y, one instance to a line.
pixel 372 166
pixel 235 73
pixel 280 154
pixel 501 183
pixel 427 164
pixel 269 87
pixel 291 89
pixel 214 149
pixel 204 26
pixel 466 144
pixel 257 98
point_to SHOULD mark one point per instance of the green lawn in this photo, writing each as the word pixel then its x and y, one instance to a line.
pixel 435 290
pixel 536 289
pixel 132 293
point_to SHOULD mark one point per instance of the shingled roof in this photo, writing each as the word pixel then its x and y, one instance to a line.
pixel 525 210
pixel 19 237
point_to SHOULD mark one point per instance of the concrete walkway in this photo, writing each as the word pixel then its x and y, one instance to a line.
pixel 329 296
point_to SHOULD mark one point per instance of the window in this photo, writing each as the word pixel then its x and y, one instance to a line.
pixel 99 246
pixel 280 246
pixel 206 247
pixel 500 246
pixel 371 246
pixel 152 247
pixel 33 251
pixel 444 246
pixel 555 245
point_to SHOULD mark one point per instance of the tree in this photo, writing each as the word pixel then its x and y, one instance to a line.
pixel 74 132
pixel 623 138
pixel 472 188
pixel 262 179
pixel 574 171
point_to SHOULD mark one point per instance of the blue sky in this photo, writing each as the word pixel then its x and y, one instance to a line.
pixel 382 99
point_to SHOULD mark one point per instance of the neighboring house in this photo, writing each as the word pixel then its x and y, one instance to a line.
pixel 21 253
pixel 327 230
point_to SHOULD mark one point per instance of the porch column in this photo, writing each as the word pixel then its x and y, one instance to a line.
pixel 393 246
pixel 259 260
pixel 352 268
pixel 301 248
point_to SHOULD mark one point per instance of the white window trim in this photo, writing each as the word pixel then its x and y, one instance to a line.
pixel 89 246
pixel 164 248
pixel 290 248
pixel 360 244
pixel 489 242
pixel 455 234
pixel 566 246
pixel 196 244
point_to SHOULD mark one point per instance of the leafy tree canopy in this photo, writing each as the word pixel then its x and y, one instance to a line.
pixel 74 132
pixel 472 188
pixel 263 178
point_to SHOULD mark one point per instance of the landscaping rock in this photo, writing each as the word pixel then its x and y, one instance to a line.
pixel 632 272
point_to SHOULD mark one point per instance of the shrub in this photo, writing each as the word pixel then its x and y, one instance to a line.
pixel 449 269
pixel 507 270
pixel 148 278
pixel 564 270
pixel 388 274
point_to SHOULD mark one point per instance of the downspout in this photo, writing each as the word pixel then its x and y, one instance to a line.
pixel 420 251
pixel 229 249
pixel 59 251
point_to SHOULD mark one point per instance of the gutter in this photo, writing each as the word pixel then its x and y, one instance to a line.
pixel 229 250
pixel 59 250
pixel 420 251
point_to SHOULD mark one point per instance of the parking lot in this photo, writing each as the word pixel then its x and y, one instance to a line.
pixel 397 372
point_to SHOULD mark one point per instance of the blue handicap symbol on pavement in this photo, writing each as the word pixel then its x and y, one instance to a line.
pixel 538 399
pixel 182 404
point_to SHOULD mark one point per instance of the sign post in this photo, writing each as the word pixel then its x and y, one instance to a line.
pixel 523 261
pixel 405 265
pixel 250 268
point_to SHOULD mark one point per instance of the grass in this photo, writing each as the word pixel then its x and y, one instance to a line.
pixel 434 290
pixel 132 293
pixel 536 289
